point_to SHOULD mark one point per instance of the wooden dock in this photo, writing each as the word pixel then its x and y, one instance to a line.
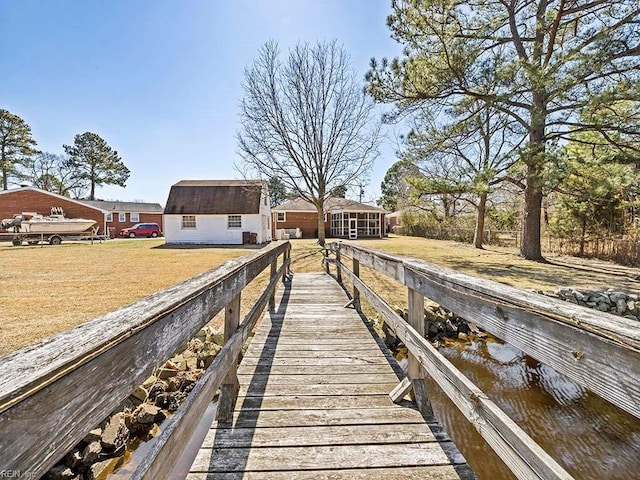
pixel 314 402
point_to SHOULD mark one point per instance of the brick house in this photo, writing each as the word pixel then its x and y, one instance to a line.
pixel 343 218
pixel 218 212
pixel 121 215
pixel 31 199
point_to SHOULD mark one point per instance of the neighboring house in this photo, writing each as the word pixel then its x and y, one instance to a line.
pixel 123 215
pixel 343 218
pixel 218 212
pixel 31 199
pixel 394 221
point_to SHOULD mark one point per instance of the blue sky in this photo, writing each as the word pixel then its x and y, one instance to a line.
pixel 160 80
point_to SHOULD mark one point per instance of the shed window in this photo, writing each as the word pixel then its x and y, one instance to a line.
pixel 281 216
pixel 134 217
pixel 122 217
pixel 188 221
pixel 109 217
pixel 234 221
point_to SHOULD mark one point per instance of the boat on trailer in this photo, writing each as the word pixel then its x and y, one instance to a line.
pixel 56 222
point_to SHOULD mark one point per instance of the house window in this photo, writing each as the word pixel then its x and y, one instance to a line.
pixel 122 217
pixel 281 217
pixel 188 221
pixel 109 217
pixel 134 217
pixel 234 221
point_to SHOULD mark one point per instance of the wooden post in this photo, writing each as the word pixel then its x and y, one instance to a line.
pixel 415 372
pixel 326 260
pixel 230 385
pixel 272 297
pixel 356 293
pixel 338 264
pixel 285 257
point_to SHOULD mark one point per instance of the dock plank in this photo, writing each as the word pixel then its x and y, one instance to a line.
pixel 323 457
pixel 314 402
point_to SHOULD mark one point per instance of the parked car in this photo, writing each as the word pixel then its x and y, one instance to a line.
pixel 141 230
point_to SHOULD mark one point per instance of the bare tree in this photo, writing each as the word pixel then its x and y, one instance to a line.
pixel 54 173
pixel 307 121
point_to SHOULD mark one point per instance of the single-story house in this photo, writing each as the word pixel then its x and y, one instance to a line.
pixel 123 215
pixel 218 212
pixel 31 199
pixel 343 218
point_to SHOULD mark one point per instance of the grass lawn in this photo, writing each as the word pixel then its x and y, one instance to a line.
pixel 46 290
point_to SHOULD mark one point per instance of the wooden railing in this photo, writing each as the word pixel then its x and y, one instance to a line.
pixel 54 392
pixel 597 350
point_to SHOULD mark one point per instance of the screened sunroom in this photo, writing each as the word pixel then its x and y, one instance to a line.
pixel 356 224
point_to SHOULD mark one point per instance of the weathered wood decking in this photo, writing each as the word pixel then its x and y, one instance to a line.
pixel 314 402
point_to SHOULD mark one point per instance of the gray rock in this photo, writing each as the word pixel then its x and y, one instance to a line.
pixel 160 386
pixel 165 373
pixel 59 472
pixel 145 413
pixel 91 453
pixel 115 434
pixel 140 393
pixel 148 383
pixel 98 469
pixel 93 436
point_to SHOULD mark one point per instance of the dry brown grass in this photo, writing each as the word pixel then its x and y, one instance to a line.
pixel 46 290
pixel 504 265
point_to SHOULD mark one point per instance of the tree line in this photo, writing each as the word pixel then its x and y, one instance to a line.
pixel 541 95
pixel 86 164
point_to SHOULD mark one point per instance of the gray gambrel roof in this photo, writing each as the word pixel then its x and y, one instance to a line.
pixel 134 207
pixel 215 197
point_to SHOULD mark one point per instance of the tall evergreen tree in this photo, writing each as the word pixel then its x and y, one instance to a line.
pixel 277 192
pixel 96 162
pixel 555 59
pixel 16 146
pixel 395 189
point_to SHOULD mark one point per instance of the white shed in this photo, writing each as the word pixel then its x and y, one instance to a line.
pixel 218 212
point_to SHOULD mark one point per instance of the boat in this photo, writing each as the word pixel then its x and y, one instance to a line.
pixel 56 222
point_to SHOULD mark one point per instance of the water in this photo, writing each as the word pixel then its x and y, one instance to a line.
pixel 591 438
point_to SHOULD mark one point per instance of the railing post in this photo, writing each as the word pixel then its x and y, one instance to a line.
pixel 356 293
pixel 415 372
pixel 286 262
pixel 338 264
pixel 274 269
pixel 326 260
pixel 230 386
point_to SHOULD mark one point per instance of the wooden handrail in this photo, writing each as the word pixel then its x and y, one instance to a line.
pixel 176 431
pixel 53 392
pixel 597 350
pixel 524 457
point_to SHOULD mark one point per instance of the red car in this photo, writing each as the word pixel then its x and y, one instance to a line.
pixel 141 230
